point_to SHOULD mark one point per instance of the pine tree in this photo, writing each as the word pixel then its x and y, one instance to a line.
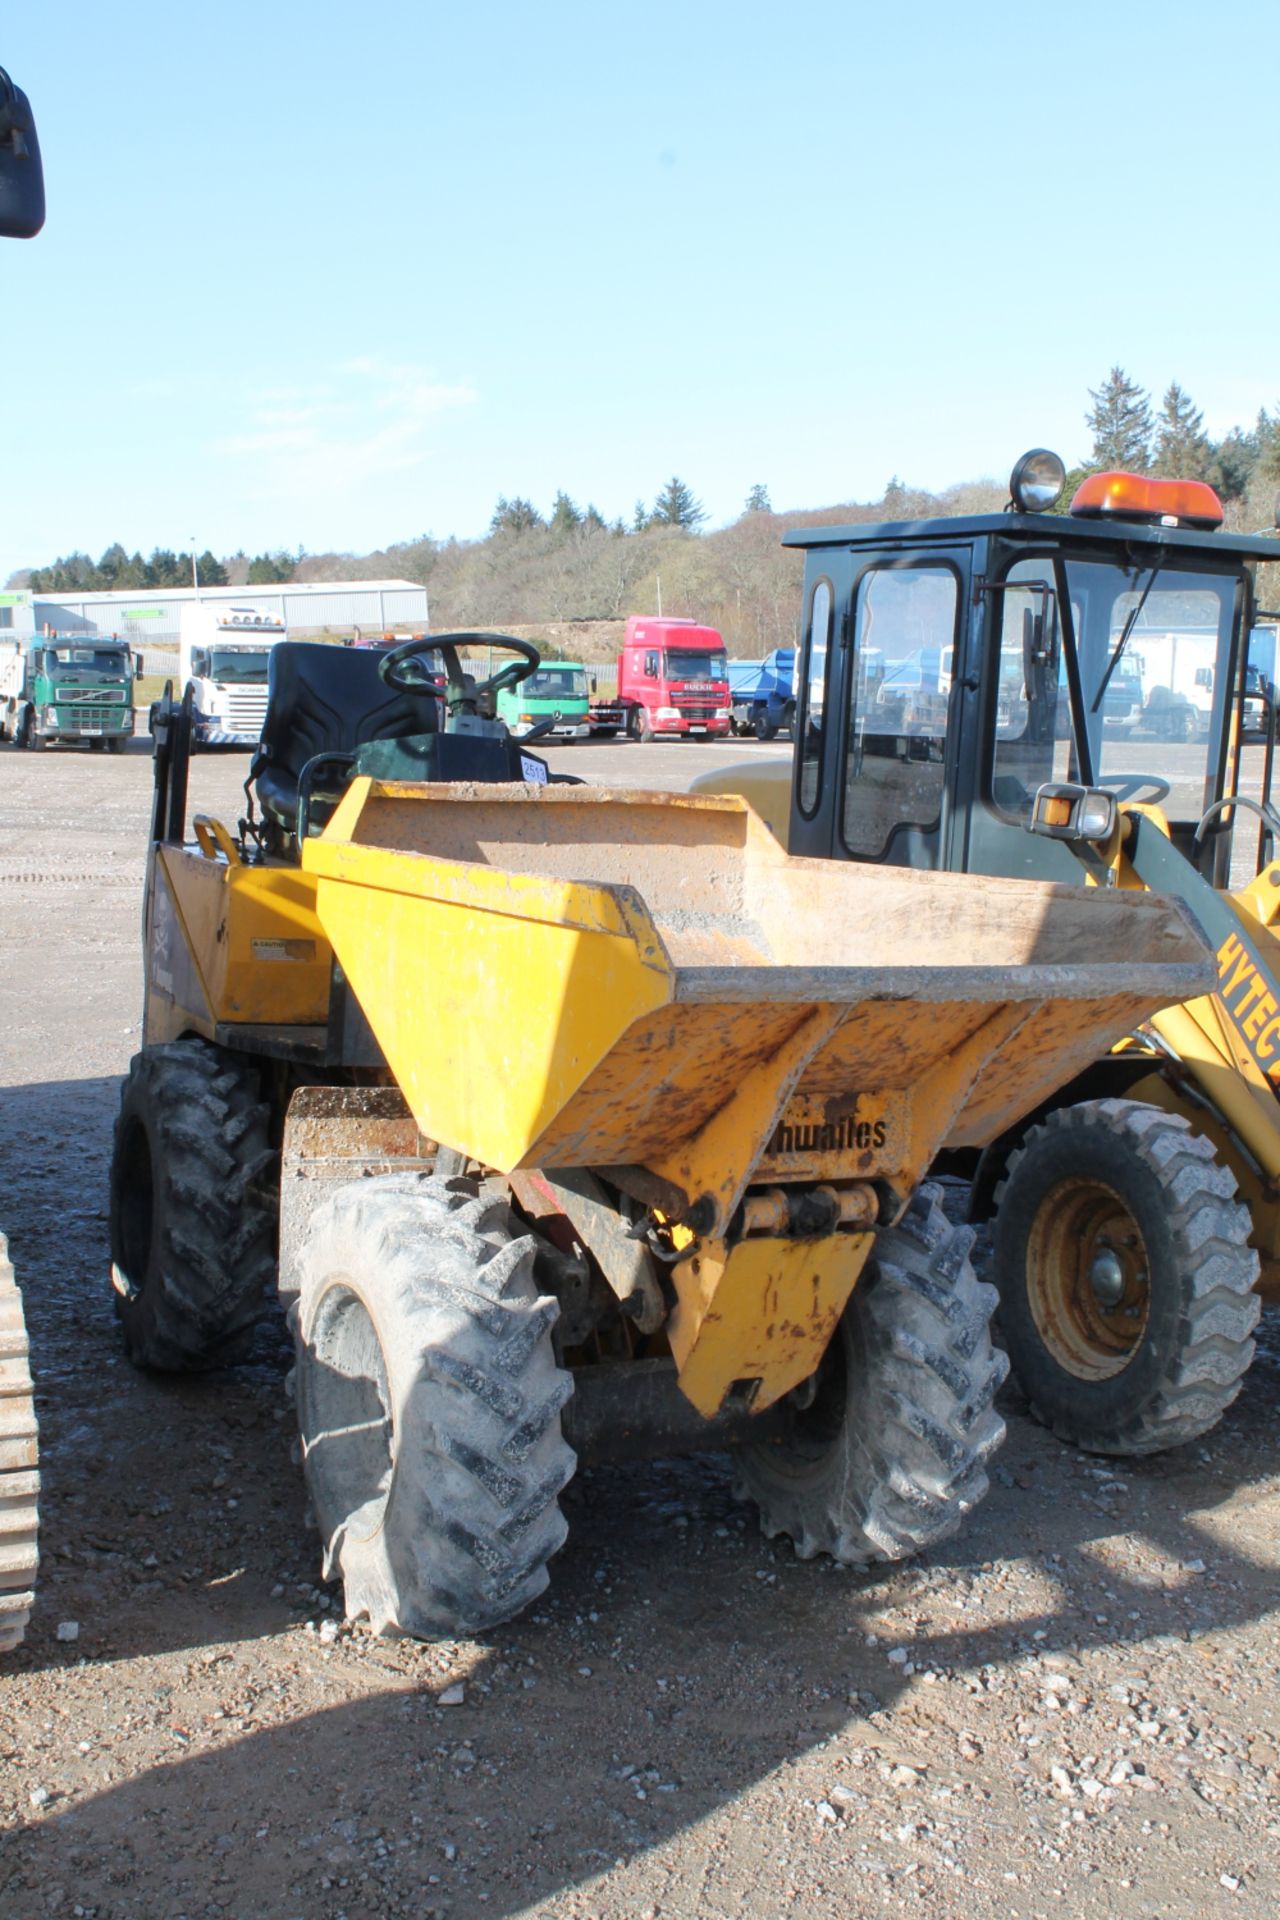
pixel 1120 421
pixel 564 515
pixel 676 506
pixel 1182 449
pixel 641 518
pixel 758 500
pixel 514 516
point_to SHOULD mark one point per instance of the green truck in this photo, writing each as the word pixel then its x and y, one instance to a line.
pixel 553 700
pixel 59 687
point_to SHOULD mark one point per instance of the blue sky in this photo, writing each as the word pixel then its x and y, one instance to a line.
pixel 333 277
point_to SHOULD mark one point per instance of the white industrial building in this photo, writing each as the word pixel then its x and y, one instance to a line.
pixel 149 620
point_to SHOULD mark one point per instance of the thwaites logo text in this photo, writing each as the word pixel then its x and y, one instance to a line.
pixel 829 1136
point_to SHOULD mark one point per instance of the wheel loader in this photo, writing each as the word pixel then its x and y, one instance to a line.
pixel 1136 1213
pixel 21 218
pixel 575 1124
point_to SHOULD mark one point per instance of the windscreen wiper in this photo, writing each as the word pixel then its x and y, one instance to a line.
pixel 1123 641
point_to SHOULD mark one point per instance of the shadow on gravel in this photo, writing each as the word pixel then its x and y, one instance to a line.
pixel 677 1663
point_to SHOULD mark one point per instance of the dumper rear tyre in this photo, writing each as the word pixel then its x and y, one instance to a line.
pixel 429 1402
pixel 1127 1285
pixel 883 1453
pixel 19 1472
pixel 193 1208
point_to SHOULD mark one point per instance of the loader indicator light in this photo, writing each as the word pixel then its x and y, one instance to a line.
pixel 1136 496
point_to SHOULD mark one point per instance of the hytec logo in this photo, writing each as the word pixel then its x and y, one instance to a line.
pixel 1254 1010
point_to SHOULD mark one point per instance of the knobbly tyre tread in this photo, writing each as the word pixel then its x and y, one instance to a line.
pixel 214 1211
pixel 447 1523
pixel 919 1426
pixel 19 1473
pixel 1183 1391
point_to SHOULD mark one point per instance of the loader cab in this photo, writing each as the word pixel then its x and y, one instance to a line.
pixel 950 668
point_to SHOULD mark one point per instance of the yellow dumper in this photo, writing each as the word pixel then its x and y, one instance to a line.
pixel 601 1124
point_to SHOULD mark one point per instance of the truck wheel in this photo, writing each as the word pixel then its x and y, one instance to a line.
pixel 118 743
pixel 96 746
pixel 884 1450
pixel 1126 1282
pixel 646 730
pixel 193 1208
pixel 633 723
pixel 429 1403
pixel 19 1477
pixel 764 728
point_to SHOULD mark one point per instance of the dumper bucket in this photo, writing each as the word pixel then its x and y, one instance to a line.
pixel 572 976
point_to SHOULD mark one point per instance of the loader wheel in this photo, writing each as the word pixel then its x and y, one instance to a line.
pixel 193 1208
pixel 19 1477
pixel 429 1403
pixel 884 1450
pixel 1126 1282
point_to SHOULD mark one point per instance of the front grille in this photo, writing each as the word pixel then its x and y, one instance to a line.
pixel 246 711
pixel 84 715
pixel 98 696
pixel 697 713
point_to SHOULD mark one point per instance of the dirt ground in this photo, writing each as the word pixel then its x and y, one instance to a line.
pixel 1073 1709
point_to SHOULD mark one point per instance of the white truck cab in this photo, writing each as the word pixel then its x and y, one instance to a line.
pixel 223 655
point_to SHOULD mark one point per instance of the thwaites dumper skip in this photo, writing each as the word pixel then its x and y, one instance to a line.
pixel 590 1124
pixel 1134 1209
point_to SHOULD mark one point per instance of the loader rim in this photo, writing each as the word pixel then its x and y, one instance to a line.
pixel 1088 1278
pixel 345 1339
pixel 1175 1381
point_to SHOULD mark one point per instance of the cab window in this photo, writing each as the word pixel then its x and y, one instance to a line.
pixel 813 696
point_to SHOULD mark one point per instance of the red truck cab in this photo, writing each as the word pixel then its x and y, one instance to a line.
pixel 673 678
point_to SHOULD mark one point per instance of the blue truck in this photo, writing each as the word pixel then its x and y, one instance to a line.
pixel 762 693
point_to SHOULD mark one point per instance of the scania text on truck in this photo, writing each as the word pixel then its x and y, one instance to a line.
pixel 67 687
pixel 223 655
pixel 673 678
pixel 556 692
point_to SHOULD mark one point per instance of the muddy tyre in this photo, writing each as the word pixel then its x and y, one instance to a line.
pixel 1126 1283
pixel 429 1402
pixel 193 1208
pixel 19 1474
pixel 884 1451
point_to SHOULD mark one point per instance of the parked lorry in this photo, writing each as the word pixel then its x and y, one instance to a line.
pixel 223 656
pixel 553 701
pixel 1134 1214
pixel 21 217
pixel 673 682
pixel 762 696
pixel 67 688
pixel 684 1210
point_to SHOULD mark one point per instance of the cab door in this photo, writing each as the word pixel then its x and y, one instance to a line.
pixel 883 695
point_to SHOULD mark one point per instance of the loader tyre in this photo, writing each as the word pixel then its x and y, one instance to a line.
pixel 1126 1280
pixel 429 1402
pixel 19 1475
pixel 884 1451
pixel 193 1208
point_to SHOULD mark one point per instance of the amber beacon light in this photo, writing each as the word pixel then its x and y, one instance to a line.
pixel 1135 496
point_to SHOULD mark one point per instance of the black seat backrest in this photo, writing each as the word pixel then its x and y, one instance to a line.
pixel 325 699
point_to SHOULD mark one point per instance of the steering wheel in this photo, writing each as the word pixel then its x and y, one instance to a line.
pixel 1126 785
pixel 406 668
pixel 1263 808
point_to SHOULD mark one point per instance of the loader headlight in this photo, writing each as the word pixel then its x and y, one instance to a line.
pixel 1036 481
pixel 1063 811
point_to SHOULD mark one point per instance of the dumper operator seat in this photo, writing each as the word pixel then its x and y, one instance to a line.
pixel 331 714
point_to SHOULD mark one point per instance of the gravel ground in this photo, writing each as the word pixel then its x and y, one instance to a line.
pixel 1073 1709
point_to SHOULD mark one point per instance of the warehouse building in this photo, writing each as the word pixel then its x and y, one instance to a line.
pixel 149 620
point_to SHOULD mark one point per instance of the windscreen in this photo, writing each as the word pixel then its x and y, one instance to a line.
pixel 112 660
pixel 1151 646
pixel 555 683
pixel 229 664
pixel 687 665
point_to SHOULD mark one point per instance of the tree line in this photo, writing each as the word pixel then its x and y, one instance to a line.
pixel 568 563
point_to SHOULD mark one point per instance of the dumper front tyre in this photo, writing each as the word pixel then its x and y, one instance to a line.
pixel 429 1403
pixel 193 1212
pixel 1126 1281
pixel 883 1452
